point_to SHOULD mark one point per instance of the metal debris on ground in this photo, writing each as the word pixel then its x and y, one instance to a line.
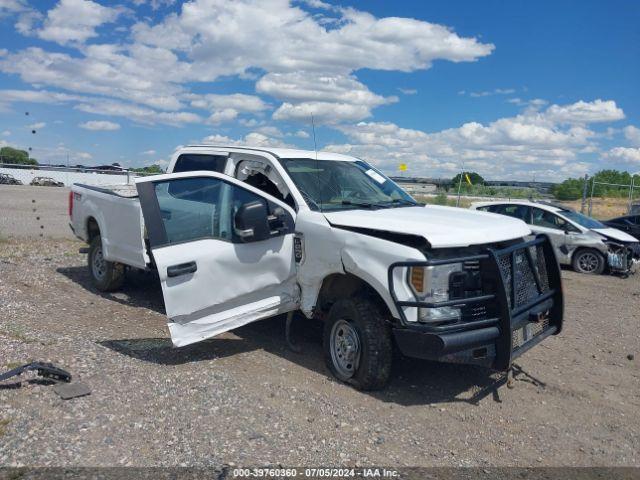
pixel 45 370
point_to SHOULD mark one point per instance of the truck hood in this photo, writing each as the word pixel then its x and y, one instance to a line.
pixel 442 227
pixel 615 234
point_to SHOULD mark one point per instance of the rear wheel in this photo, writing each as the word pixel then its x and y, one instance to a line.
pixel 588 261
pixel 106 276
pixel 357 344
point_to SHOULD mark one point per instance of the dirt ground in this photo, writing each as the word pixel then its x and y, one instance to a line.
pixel 245 399
pixel 604 208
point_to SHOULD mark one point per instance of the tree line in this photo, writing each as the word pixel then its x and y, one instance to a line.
pixel 16 157
pixel 572 188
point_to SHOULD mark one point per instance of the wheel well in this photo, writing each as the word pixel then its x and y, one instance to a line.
pixel 339 285
pixel 93 229
pixel 582 249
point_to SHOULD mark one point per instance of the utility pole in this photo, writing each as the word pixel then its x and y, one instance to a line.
pixel 593 187
pixel 460 186
pixel 584 193
pixel 631 188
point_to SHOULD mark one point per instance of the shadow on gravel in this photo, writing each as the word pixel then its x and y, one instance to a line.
pixel 414 382
pixel 140 289
pixel 161 351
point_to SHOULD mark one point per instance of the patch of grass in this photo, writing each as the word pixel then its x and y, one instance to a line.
pixel 12 365
pixel 3 425
pixel 17 333
pixel 443 199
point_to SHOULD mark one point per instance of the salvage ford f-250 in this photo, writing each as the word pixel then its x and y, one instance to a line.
pixel 240 234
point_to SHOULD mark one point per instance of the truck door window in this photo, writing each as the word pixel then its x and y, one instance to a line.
pixel 192 162
pixel 196 208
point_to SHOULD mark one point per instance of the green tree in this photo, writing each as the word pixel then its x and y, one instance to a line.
pixel 475 178
pixel 15 156
pixel 149 169
pixel 572 188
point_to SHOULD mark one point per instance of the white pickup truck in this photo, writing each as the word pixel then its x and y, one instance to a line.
pixel 238 234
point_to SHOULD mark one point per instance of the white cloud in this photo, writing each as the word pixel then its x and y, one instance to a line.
pixel 105 70
pixel 585 112
pixel 407 91
pixel 155 4
pixel 6 133
pixel 487 93
pixel 26 16
pixel 309 58
pixel 37 126
pixel 59 153
pixel 100 125
pixel 149 152
pixel 254 139
pixel 330 98
pixel 625 154
pixel 535 103
pixel 237 101
pixel 632 134
pixel 76 21
pixel 137 113
pixel 270 131
pixel 222 116
pixel 227 38
pixel 532 142
pixel 302 134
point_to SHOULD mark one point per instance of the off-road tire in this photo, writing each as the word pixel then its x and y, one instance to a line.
pixel 112 275
pixel 579 261
pixel 374 367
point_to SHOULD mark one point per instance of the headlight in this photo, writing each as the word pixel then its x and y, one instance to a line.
pixel 431 284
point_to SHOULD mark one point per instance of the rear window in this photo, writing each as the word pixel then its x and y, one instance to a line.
pixel 191 162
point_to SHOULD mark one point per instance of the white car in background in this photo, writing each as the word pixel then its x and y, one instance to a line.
pixel 583 242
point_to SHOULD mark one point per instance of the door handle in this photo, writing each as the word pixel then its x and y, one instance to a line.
pixel 181 269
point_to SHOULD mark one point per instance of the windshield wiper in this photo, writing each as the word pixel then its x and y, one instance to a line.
pixel 363 204
pixel 401 202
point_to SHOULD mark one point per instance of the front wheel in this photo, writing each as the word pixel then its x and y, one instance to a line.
pixel 588 261
pixel 106 276
pixel 357 344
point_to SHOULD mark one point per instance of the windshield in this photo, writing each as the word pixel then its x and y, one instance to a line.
pixel 583 220
pixel 337 185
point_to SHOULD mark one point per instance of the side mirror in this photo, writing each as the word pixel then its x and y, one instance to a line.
pixel 251 222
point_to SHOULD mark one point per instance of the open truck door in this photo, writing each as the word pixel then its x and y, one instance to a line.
pixel 223 250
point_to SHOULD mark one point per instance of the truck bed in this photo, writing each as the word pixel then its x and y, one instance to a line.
pixel 116 210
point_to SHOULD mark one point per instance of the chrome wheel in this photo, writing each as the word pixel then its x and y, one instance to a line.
pixel 98 264
pixel 345 349
pixel 588 262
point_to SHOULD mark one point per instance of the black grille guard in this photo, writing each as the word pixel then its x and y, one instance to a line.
pixel 534 293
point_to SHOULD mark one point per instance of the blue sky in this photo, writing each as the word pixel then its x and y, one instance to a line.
pixel 509 89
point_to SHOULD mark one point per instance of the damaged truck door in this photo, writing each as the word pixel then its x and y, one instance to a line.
pixel 223 251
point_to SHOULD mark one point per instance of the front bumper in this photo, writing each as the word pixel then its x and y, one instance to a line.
pixel 623 258
pixel 521 304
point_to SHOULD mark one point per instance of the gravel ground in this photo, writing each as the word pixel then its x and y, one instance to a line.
pixel 244 399
pixel 31 211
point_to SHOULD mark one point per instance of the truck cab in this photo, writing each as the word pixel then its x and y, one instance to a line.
pixel 238 234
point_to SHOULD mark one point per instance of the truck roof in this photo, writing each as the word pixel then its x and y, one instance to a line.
pixel 282 152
